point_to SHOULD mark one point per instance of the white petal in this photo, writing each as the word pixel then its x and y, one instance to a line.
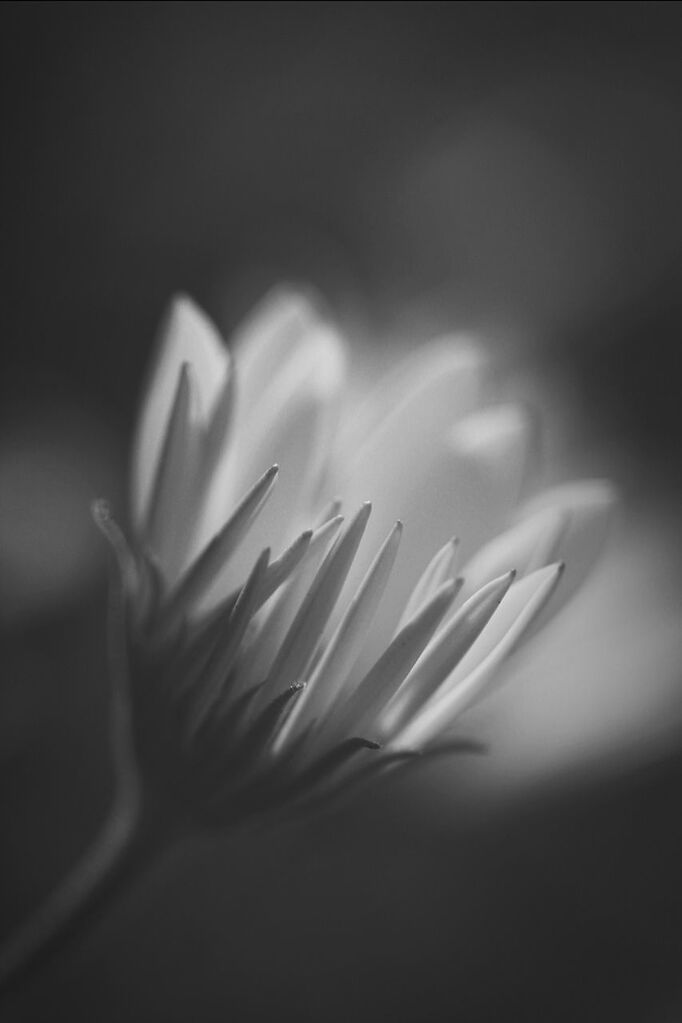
pixel 292 425
pixel 588 507
pixel 277 617
pixel 439 482
pixel 197 585
pixel 186 336
pixel 303 638
pixel 446 650
pixel 529 544
pixel 567 523
pixel 439 570
pixel 456 358
pixel 473 674
pixel 170 505
pixel 267 341
pixel 360 709
pixel 496 440
pixel 332 670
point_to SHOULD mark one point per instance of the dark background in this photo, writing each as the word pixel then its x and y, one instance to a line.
pixel 512 168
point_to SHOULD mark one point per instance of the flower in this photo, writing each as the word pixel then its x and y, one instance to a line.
pixel 265 655
pixel 279 653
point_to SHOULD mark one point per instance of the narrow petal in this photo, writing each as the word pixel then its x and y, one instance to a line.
pixel 328 766
pixel 304 635
pixel 187 336
pixel 289 421
pixel 358 710
pixel 440 482
pixel 210 685
pixel 331 672
pixel 470 678
pixel 170 508
pixel 195 588
pixel 528 545
pixel 444 652
pixel 261 733
pixel 283 566
pixel 277 618
pixel 330 511
pixel 441 568
pixel 269 338
pixel 588 507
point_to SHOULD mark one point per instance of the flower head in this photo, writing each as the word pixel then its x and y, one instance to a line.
pixel 287 643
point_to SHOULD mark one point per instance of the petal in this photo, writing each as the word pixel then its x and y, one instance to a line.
pixel 439 570
pixel 529 544
pixel 291 424
pixel 330 676
pixel 473 674
pixel 278 616
pixel 588 507
pixel 170 504
pixel 303 638
pixel 187 336
pixel 445 651
pixel 438 481
pixel 567 523
pixel 305 632
pixel 456 358
pixel 269 339
pixel 194 589
pixel 359 709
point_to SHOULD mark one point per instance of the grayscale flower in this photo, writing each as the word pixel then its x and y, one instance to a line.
pixel 278 653
pixel 267 654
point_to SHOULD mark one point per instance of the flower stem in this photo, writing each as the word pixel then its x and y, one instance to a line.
pixel 84 887
pixel 129 836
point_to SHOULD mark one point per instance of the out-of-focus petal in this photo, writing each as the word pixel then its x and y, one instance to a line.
pixel 441 568
pixel 456 356
pixel 567 523
pixel 170 513
pixel 267 341
pixel 528 544
pixel 440 480
pixel 289 423
pixel 187 336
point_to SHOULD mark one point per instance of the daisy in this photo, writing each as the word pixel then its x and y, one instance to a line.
pixel 276 639
pixel 285 643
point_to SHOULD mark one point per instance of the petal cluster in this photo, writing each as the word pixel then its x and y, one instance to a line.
pixel 288 642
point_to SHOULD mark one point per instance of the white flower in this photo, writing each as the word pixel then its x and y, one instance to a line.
pixel 281 652
pixel 267 655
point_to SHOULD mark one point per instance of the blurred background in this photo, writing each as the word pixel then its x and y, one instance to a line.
pixel 508 169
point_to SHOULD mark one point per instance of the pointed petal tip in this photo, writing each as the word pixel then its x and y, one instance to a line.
pixel 329 525
pixel 183 312
pixel 361 517
pixel 370 743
